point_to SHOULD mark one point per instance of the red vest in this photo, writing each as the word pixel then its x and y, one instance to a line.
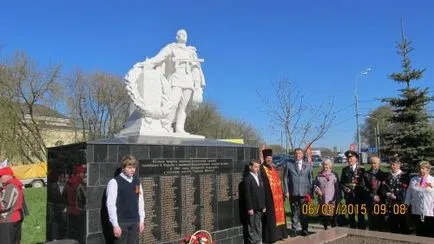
pixel 13 190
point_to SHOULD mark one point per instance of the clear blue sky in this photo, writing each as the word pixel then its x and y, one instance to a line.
pixel 320 45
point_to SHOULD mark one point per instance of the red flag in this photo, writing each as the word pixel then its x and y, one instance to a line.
pixel 308 152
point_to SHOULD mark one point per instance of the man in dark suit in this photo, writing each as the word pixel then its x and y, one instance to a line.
pixel 298 187
pixel 372 180
pixel 393 190
pixel 354 193
pixel 254 204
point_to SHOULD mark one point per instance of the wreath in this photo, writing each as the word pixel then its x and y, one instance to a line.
pixel 199 237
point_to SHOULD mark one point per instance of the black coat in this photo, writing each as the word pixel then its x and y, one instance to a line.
pixel 372 184
pixel 254 195
pixel 349 176
pixel 397 185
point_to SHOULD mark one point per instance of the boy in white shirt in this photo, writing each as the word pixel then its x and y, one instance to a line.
pixel 125 203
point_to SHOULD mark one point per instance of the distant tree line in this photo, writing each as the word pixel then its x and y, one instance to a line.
pixel 208 121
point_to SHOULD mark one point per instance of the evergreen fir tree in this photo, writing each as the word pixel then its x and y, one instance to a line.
pixel 412 137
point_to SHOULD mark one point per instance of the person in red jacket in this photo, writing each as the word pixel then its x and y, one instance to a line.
pixel 11 207
pixel 74 197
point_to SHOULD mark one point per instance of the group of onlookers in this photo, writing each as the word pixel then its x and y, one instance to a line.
pixel 392 201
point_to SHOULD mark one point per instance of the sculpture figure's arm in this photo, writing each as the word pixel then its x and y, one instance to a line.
pixel 157 60
pixel 161 57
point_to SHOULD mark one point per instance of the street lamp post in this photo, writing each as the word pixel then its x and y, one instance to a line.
pixel 377 135
pixel 359 141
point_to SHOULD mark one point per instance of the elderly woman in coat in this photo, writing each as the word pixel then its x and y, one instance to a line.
pixel 326 187
pixel 420 196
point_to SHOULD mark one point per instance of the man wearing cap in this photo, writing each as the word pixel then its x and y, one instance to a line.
pixel 273 221
pixel 393 190
pixel 11 207
pixel 354 194
pixel 298 184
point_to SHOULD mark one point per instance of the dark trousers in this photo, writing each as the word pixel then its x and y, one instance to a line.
pixel 10 233
pixel 398 223
pixel 75 226
pixel 58 229
pixel 130 232
pixel 328 220
pixel 297 214
pixel 424 228
pixel 252 230
pixel 354 199
pixel 376 221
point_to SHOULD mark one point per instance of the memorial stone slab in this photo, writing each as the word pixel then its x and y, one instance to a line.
pixel 189 184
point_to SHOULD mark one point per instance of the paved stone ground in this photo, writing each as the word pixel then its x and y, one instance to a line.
pixel 341 235
pixel 313 228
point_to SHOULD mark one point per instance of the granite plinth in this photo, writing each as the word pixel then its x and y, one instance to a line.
pixel 189 184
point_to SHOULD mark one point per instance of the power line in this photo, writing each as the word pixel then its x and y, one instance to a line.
pixel 370 100
pixel 344 108
pixel 341 122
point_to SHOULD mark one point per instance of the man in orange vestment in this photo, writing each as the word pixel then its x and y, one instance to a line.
pixel 274 221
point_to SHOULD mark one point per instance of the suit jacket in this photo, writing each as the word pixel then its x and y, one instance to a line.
pixel 298 183
pixel 254 194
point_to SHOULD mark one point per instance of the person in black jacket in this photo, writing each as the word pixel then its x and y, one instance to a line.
pixel 254 204
pixel 372 181
pixel 354 194
pixel 393 190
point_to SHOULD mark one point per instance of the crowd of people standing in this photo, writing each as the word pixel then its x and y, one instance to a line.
pixel 391 201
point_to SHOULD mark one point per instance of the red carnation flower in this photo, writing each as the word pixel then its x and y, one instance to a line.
pixel 404 185
pixel 373 183
pixel 308 198
pixel 186 239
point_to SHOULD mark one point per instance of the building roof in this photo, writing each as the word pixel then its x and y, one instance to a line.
pixel 43 111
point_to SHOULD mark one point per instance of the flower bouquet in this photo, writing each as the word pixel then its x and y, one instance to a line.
pixel 352 184
pixel 199 237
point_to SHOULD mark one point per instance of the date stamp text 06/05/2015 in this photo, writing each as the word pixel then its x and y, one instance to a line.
pixel 342 208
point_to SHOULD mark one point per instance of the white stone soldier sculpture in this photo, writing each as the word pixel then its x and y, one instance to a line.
pixel 161 89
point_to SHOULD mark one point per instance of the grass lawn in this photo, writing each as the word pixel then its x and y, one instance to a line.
pixel 34 225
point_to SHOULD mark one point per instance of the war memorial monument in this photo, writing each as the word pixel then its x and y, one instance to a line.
pixel 189 182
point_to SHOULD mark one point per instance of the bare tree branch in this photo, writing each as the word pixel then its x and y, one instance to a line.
pixel 302 123
pixel 24 87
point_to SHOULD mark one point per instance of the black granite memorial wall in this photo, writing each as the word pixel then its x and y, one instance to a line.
pixel 188 184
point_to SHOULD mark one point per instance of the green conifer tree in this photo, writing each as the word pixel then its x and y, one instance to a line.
pixel 412 137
